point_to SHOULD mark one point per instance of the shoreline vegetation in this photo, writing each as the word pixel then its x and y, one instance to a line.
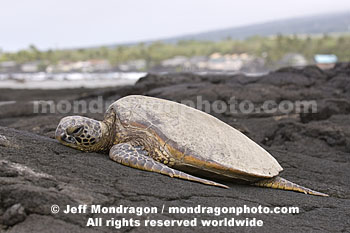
pixel 272 49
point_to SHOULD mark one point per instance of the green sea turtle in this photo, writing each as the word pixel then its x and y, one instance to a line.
pixel 173 139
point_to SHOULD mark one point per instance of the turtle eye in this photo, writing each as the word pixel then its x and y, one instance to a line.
pixel 75 130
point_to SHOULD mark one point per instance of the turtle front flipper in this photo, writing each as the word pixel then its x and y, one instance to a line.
pixel 135 157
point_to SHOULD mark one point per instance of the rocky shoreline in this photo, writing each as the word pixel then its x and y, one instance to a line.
pixel 37 172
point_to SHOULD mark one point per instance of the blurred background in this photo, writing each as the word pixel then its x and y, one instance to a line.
pixel 44 43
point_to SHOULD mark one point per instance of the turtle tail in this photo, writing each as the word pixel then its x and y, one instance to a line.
pixel 280 183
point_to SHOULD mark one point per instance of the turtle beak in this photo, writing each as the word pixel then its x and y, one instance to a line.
pixel 62 138
pixel 59 134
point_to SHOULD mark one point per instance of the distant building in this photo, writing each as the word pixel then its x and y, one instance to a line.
pixel 214 62
pixel 215 56
pixel 133 65
pixel 228 62
pixel 196 63
pixel 94 65
pixel 325 61
pixel 8 66
pixel 30 67
pixel 175 61
pixel 293 59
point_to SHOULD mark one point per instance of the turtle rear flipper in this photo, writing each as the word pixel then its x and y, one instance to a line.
pixel 280 183
pixel 128 155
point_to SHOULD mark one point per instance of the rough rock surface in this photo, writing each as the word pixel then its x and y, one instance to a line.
pixel 37 172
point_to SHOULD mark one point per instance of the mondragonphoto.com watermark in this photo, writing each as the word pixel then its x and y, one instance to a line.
pixel 202 216
pixel 233 106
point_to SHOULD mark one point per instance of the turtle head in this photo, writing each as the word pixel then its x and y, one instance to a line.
pixel 81 133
